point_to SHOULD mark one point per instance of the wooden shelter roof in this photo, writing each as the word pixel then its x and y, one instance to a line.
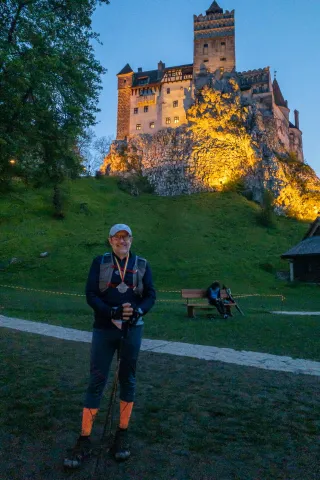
pixel 309 246
pixel 314 229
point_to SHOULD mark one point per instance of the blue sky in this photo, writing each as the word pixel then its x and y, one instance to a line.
pixel 282 34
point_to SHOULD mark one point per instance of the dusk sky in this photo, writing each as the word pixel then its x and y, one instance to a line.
pixel 281 34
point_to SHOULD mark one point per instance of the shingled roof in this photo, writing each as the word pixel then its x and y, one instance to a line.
pixel 309 246
pixel 278 97
pixel 126 69
pixel 214 8
pixel 314 229
pixel 154 76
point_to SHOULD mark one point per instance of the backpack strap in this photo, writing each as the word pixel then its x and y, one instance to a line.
pixel 106 270
pixel 139 268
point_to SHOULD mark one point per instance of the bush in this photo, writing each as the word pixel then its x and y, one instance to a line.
pixel 236 186
pixel 265 217
pixel 267 267
pixel 135 185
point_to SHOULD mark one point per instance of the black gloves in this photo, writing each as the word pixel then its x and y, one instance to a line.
pixel 117 313
pixel 137 313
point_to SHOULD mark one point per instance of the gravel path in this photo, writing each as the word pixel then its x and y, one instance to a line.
pixel 227 355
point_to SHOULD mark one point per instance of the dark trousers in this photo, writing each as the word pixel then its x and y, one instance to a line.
pixel 220 306
pixel 104 345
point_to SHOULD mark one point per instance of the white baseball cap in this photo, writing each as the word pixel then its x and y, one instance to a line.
pixel 118 227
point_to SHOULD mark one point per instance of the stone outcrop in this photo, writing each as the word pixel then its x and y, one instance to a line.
pixel 226 142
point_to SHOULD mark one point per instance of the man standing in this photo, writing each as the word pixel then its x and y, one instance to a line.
pixel 120 291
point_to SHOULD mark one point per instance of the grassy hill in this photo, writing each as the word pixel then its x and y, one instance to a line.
pixel 189 240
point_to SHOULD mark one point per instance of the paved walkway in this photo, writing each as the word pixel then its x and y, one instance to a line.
pixel 252 359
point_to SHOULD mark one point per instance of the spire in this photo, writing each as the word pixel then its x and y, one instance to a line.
pixel 214 8
pixel 278 97
pixel 126 69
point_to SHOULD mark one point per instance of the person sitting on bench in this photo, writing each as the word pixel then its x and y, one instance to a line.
pixel 213 295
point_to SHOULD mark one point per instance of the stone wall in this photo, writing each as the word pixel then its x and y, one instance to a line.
pixel 215 151
pixel 124 96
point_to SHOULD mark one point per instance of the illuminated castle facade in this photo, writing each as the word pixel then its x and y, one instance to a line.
pixel 152 100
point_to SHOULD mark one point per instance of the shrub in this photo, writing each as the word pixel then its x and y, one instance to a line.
pixel 267 267
pixel 265 217
pixel 135 185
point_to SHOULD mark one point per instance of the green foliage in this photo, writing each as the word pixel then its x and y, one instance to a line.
pixel 265 217
pixel 267 267
pixel 236 185
pixel 49 86
pixel 135 185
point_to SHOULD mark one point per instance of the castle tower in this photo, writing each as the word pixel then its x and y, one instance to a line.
pixel 124 94
pixel 214 41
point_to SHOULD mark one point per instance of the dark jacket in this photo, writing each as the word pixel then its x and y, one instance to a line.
pixel 102 302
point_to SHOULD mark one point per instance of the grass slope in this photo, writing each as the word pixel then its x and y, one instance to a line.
pixel 189 240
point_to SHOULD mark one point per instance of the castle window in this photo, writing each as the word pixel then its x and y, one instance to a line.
pixel 138 126
pixel 223 59
pixel 168 90
pixel 135 111
pixel 205 49
pixel 151 125
pixel 143 81
pixel 145 91
pixel 145 109
pixel 205 61
pixel 124 81
pixel 176 119
pixel 168 121
pixel 175 103
pixel 223 43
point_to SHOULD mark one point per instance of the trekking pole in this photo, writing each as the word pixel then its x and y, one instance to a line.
pixel 110 411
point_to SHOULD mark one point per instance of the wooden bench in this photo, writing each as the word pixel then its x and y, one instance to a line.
pixel 192 294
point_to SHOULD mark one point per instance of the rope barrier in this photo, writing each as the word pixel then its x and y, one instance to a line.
pixel 162 291
pixel 43 291
pixel 258 295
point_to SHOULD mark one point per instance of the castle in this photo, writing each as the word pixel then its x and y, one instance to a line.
pixel 149 101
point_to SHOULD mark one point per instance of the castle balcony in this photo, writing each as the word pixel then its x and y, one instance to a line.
pixel 146 100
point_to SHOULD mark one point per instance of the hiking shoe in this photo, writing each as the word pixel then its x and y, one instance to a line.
pixel 121 447
pixel 225 316
pixel 81 451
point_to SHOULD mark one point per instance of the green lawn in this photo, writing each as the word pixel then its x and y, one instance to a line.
pixel 258 330
pixel 193 420
pixel 189 240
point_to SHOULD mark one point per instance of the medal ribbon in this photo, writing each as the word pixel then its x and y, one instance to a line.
pixel 122 275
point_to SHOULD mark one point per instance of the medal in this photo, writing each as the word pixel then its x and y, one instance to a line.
pixel 122 287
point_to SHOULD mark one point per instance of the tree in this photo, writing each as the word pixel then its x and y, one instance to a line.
pixel 49 86
pixel 93 150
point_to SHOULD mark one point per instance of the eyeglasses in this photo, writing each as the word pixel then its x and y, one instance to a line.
pixel 125 238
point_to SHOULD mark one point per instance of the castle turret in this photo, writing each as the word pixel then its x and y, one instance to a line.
pixel 296 119
pixel 214 41
pixel 279 99
pixel 124 93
